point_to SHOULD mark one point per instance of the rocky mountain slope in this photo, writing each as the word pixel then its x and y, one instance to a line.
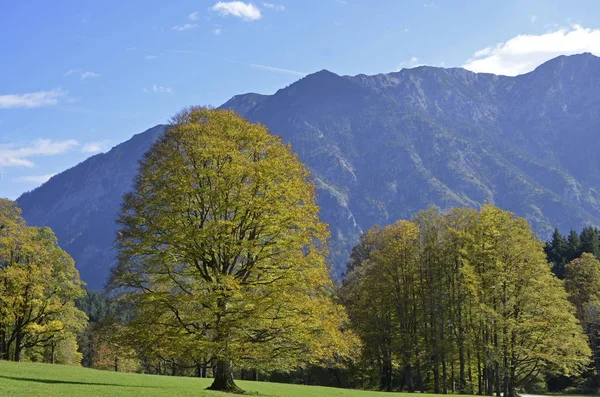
pixel 382 147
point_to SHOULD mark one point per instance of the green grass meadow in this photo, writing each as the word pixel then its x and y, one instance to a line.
pixel 29 379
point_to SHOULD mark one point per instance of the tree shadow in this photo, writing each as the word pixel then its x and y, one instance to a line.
pixel 68 382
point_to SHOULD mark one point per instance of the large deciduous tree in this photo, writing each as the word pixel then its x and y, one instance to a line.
pixel 38 288
pixel 221 249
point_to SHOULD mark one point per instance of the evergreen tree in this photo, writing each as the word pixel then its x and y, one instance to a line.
pixel 557 251
pixel 589 241
pixel 574 246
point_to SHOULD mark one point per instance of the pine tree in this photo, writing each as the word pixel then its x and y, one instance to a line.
pixel 557 251
pixel 574 246
pixel 589 241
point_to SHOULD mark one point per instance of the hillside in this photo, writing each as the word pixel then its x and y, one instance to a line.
pixel 382 147
pixel 81 203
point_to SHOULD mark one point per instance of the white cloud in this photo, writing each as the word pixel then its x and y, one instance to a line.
pixel 276 7
pixel 182 28
pixel 341 1
pixel 14 155
pixel 31 100
pixel 160 89
pixel 246 11
pixel 82 75
pixel 274 69
pixel 89 75
pixel 193 16
pixel 71 71
pixel 151 57
pixel 39 179
pixel 411 63
pixel 95 147
pixel 533 18
pixel 483 52
pixel 523 53
pixel 217 31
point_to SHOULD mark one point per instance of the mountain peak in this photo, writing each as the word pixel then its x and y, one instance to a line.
pixel 244 102
pixel 323 72
pixel 569 62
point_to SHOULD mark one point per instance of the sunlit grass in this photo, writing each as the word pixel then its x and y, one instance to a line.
pixel 28 379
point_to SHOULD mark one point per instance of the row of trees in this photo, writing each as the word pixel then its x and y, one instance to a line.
pixel 461 302
pixel 574 259
pixel 221 269
pixel 562 250
pixel 38 286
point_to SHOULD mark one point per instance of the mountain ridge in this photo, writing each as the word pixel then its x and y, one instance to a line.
pixel 381 147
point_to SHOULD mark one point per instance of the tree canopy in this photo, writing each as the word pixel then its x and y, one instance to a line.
pixel 222 252
pixel 38 287
pixel 463 301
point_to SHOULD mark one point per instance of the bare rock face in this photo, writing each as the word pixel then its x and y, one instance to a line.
pixel 380 148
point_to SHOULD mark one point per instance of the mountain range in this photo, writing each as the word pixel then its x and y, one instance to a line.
pixel 380 148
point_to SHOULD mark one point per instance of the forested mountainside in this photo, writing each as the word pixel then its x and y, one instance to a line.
pixel 380 148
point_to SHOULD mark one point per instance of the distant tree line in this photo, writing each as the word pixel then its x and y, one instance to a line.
pixel 574 259
pixel 563 249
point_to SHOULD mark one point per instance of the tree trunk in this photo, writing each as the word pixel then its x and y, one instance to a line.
pixel 2 342
pixel 419 383
pixel 593 334
pixel 386 373
pixel 505 385
pixel 470 386
pixel 53 353
pixel 489 380
pixel 479 376
pixel 452 377
pixel 224 377
pixel 18 346
pixel 444 375
pixel 436 378
pixel 462 379
pixel 497 378
pixel 408 378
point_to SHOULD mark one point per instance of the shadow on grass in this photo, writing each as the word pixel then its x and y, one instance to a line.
pixel 68 382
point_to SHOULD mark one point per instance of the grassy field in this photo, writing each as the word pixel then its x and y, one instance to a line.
pixel 26 379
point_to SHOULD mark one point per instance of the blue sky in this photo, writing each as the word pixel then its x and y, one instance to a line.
pixel 78 77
